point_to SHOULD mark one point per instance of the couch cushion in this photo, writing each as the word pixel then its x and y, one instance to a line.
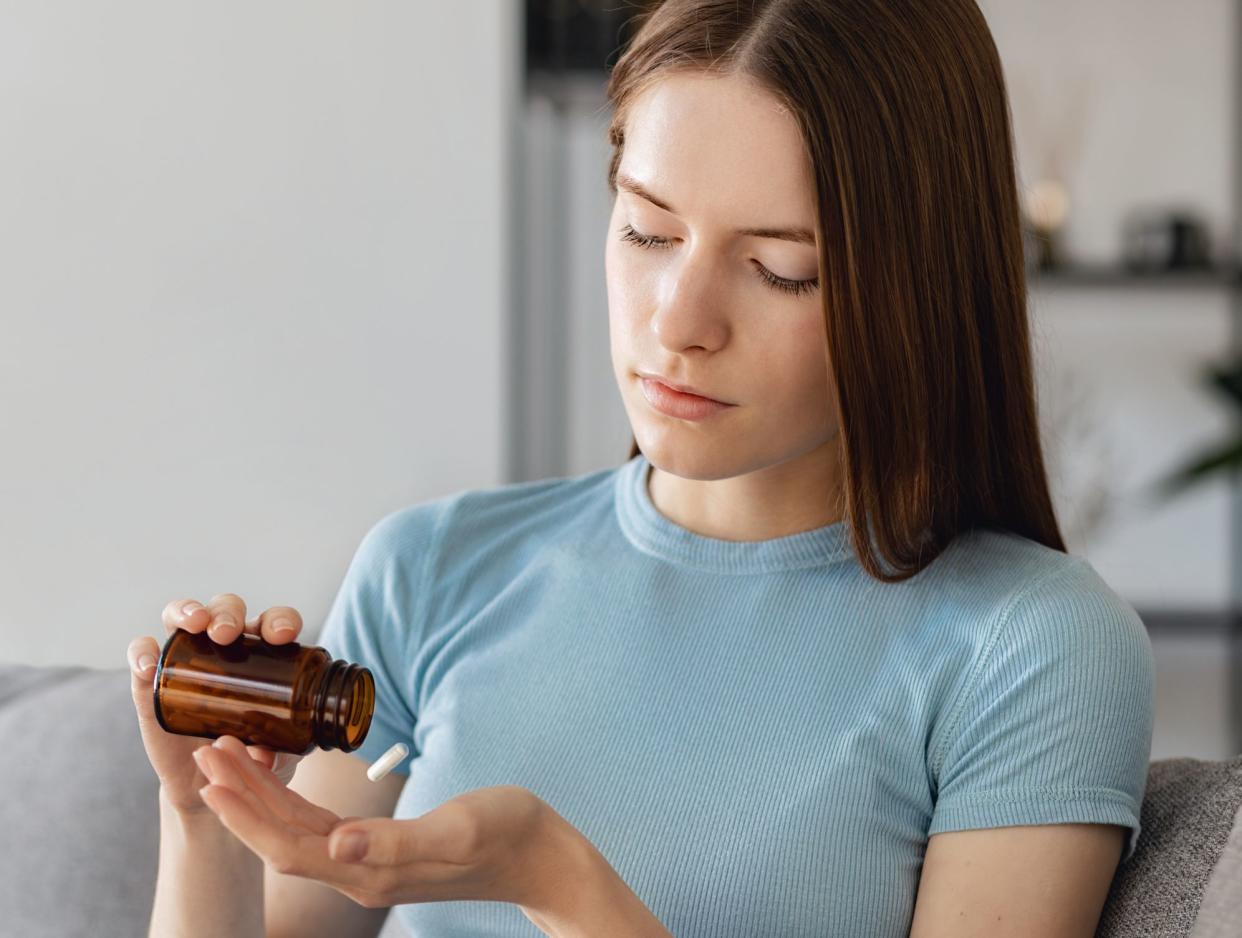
pixel 78 805
pixel 1220 915
pixel 1188 813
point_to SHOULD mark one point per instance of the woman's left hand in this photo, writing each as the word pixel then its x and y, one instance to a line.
pixel 501 843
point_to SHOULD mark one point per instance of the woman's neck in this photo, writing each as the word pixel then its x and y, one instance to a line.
pixel 788 498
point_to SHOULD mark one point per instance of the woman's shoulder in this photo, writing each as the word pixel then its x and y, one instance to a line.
pixel 1048 705
pixel 474 519
pixel 988 555
pixel 1005 578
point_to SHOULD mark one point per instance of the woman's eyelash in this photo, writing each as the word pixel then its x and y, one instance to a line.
pixel 780 283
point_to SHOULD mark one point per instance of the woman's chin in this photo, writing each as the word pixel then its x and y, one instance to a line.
pixel 689 457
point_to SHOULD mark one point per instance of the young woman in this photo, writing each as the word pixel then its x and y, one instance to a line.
pixel 814 660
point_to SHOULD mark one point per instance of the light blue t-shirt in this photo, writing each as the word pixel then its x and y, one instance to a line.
pixel 757 735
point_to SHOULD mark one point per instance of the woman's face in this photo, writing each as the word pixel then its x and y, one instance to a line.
pixel 695 306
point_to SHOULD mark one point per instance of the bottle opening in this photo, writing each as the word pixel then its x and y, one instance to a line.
pixel 346 705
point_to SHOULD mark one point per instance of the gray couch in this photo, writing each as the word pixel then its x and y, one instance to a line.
pixel 80 836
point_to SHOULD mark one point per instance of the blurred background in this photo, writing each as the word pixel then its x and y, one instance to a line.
pixel 271 271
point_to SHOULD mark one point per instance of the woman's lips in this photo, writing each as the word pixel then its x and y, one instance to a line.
pixel 679 404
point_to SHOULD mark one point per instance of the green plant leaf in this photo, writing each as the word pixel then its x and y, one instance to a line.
pixel 1208 464
pixel 1228 381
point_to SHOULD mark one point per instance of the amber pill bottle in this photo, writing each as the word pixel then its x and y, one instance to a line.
pixel 289 698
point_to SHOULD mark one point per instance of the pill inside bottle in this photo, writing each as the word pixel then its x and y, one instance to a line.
pixel 387 762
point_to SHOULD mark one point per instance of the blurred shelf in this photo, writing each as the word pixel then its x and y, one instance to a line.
pixel 1207 623
pixel 1222 626
pixel 1119 277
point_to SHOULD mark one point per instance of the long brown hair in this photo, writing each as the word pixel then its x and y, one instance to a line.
pixel 903 112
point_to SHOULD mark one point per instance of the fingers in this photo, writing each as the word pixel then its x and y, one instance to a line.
pixel 264 756
pixel 227 762
pixel 277 625
pixel 287 851
pixel 142 655
pixel 224 618
pixel 186 614
pixel 228 616
pixel 281 764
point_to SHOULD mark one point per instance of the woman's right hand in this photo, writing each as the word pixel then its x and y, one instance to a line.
pixel 173 755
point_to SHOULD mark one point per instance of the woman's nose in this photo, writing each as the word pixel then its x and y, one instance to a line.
pixel 691 308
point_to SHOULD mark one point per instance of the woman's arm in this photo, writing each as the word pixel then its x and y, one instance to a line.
pixel 1029 881
pixel 209 883
pixel 583 896
pixel 501 843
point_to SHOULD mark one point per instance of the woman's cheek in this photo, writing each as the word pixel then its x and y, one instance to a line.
pixel 803 364
pixel 626 311
pixel 632 289
pixel 619 277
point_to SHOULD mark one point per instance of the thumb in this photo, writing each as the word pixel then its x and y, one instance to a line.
pixel 355 839
pixel 142 655
pixel 446 834
pixel 380 841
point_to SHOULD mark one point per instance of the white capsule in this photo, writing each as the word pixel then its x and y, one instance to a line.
pixel 387 762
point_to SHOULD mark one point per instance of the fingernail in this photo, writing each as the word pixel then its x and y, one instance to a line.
pixel 145 661
pixel 190 608
pixel 281 627
pixel 352 846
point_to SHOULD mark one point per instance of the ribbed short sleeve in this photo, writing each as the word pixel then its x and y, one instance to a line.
pixel 1055 724
pixel 376 619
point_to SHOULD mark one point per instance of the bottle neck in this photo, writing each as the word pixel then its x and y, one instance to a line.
pixel 343 706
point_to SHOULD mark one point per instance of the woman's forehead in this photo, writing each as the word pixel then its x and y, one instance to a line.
pixel 705 145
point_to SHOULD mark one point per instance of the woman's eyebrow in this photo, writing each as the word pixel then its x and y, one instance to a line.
pixel 798 235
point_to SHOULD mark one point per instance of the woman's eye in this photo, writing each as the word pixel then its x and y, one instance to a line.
pixel 779 283
pixel 642 240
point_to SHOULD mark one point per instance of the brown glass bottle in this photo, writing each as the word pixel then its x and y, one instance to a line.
pixel 289 698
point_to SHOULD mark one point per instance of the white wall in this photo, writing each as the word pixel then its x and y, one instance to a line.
pixel 252 288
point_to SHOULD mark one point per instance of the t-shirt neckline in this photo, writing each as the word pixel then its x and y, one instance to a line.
pixel 653 533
